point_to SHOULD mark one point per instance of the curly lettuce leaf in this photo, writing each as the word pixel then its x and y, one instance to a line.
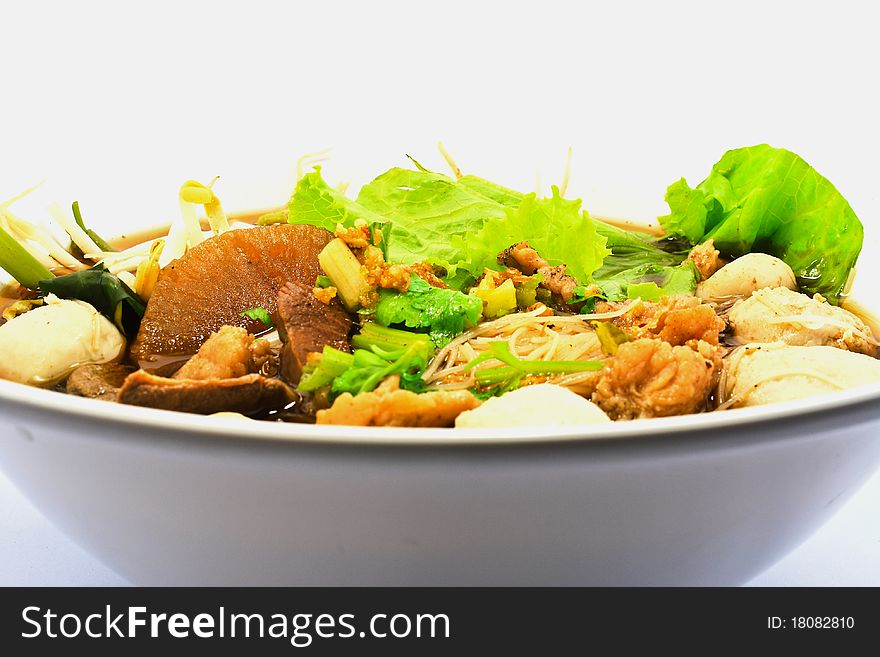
pixel 314 202
pixel 768 199
pixel 555 227
pixel 492 191
pixel 456 224
pixel 426 210
pixel 444 313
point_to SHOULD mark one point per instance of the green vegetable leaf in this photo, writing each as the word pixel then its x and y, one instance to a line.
pixel 630 249
pixel 426 209
pixel 555 227
pixel 688 216
pixel 444 313
pixel 768 199
pixel 315 202
pixel 492 191
pixel 385 352
pixel 260 314
pixel 370 368
pixel 650 282
pixel 103 290
pixel 321 370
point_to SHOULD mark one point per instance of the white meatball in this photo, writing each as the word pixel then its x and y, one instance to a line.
pixel 751 272
pixel 532 406
pixel 780 315
pixel 767 373
pixel 45 344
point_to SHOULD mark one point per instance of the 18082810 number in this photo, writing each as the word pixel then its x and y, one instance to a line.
pixel 811 623
pixel 822 622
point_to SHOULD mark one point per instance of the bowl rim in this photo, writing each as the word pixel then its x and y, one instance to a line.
pixel 688 428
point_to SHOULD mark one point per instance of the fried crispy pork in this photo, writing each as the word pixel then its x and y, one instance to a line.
pixel 705 259
pixel 678 320
pixel 226 354
pixel 389 406
pixel 652 378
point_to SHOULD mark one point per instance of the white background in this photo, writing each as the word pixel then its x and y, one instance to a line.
pixel 116 104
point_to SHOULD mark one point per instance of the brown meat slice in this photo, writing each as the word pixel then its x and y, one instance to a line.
pixel 226 354
pixel 389 406
pixel 523 257
pixel 214 282
pixel 305 325
pixel 527 260
pixel 652 378
pixel 98 380
pixel 249 394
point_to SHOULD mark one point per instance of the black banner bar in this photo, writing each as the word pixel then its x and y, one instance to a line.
pixel 428 621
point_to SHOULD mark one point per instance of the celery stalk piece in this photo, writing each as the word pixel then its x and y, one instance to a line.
pixel 321 370
pixel 20 264
pixel 388 339
pixel 340 264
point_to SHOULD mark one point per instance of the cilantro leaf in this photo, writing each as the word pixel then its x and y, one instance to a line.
pixel 445 313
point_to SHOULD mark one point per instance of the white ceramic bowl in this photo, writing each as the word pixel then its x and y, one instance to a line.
pixel 170 498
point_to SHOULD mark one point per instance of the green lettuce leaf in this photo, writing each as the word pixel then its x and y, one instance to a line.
pixel 494 192
pixel 444 313
pixel 555 227
pixel 426 210
pixel 631 249
pixel 768 199
pixel 463 224
pixel 315 202
pixel 650 282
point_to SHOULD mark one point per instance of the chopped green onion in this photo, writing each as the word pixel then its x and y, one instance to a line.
pixel 20 264
pixel 517 368
pixel 101 242
pixel 260 314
